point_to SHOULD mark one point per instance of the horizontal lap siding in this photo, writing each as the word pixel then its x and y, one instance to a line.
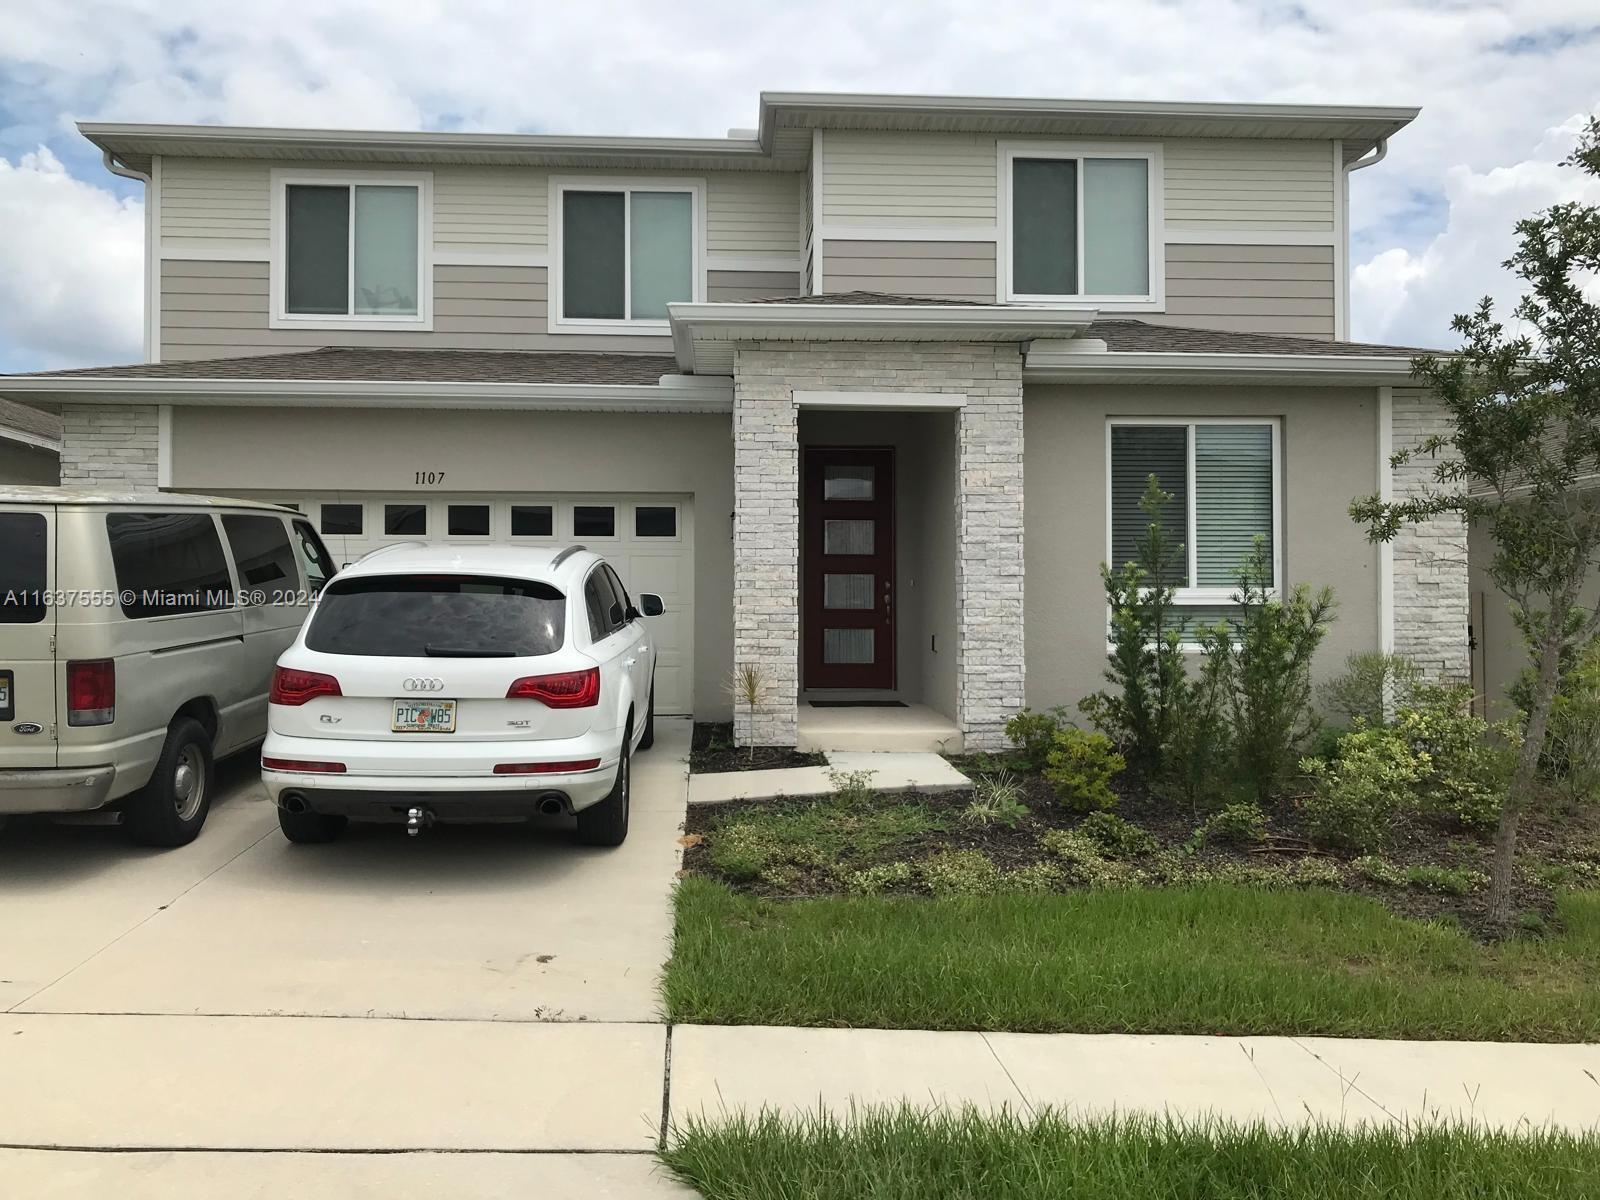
pixel 219 310
pixel 732 286
pixel 209 202
pixel 1259 289
pixel 754 213
pixel 1239 183
pixel 490 210
pixel 908 180
pixel 939 270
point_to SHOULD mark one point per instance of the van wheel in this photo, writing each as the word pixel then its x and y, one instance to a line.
pixel 172 807
pixel 606 823
pixel 649 738
pixel 309 828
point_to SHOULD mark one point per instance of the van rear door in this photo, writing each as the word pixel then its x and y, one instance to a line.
pixel 27 636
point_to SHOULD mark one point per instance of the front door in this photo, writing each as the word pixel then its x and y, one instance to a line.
pixel 848 568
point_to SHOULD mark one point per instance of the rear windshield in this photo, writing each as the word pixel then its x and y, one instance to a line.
pixel 22 568
pixel 448 616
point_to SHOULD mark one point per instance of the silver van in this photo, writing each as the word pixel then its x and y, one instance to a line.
pixel 137 639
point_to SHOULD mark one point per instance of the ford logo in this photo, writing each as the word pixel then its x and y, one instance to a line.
pixel 27 727
pixel 419 684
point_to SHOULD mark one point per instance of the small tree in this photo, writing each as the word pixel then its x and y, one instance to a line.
pixel 1525 440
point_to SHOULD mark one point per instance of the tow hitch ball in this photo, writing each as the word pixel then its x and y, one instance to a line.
pixel 417 819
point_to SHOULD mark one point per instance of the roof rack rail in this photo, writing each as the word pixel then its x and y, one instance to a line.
pixel 563 555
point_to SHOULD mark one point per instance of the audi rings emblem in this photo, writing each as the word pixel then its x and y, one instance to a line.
pixel 420 684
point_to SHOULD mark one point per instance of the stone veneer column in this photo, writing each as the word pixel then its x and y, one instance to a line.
pixel 1432 609
pixel 112 446
pixel 766 547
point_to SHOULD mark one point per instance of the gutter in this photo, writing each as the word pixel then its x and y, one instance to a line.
pixel 109 160
pixel 1056 365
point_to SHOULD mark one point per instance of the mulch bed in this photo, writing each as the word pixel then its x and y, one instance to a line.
pixel 712 751
pixel 1413 844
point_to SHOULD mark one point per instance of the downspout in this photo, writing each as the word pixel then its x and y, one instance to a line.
pixel 126 172
pixel 1380 152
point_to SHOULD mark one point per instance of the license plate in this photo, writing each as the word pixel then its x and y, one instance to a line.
pixel 424 716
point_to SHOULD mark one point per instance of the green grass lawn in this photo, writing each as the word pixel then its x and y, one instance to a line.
pixel 896 1154
pixel 1212 960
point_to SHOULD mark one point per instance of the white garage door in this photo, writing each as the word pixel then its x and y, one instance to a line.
pixel 649 539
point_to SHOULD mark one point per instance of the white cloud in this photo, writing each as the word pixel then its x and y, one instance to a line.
pixel 71 268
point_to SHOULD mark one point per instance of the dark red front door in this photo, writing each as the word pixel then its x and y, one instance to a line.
pixel 848 568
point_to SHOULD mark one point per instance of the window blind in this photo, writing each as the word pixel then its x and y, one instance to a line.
pixel 1233 498
pixel 1138 452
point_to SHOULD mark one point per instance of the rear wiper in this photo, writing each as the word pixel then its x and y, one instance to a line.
pixel 433 651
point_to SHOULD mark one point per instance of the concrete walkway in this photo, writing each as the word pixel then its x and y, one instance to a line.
pixel 891 771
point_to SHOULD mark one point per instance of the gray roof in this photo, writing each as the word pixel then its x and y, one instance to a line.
pixel 1146 337
pixel 29 420
pixel 338 364
pixel 872 298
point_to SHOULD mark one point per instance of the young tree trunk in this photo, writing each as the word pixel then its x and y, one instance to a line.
pixel 1526 776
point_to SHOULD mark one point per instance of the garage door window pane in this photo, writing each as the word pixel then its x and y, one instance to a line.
pixel 468 520
pixel 532 520
pixel 655 521
pixel 386 251
pixel 594 520
pixel 848 537
pixel 317 250
pixel 341 519
pixel 593 255
pixel 409 519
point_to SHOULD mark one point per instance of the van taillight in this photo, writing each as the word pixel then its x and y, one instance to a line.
pixel 293 688
pixel 569 689
pixel 91 691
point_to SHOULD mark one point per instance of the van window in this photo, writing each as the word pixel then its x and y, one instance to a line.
pixel 438 616
pixel 22 568
pixel 264 560
pixel 314 556
pixel 168 563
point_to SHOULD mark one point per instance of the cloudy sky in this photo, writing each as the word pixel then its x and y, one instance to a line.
pixel 1503 86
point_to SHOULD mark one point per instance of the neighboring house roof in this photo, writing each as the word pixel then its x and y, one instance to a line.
pixel 20 423
pixel 781 142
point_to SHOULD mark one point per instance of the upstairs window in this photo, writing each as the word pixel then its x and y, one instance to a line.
pixel 626 252
pixel 1223 476
pixel 352 252
pixel 1082 224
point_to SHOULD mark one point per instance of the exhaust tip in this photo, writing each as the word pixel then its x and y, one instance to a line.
pixel 293 802
pixel 552 803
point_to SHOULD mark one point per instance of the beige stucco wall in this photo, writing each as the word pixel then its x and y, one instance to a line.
pixel 24 464
pixel 289 450
pixel 1329 457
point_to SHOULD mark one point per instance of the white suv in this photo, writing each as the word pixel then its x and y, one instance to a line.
pixel 451 684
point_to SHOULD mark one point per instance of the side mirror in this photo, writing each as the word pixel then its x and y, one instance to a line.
pixel 650 604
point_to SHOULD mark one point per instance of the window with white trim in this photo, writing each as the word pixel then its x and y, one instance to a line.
pixel 1223 475
pixel 351 251
pixel 1082 222
pixel 625 251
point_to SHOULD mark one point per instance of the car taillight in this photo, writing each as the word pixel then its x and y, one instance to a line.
pixel 91 691
pixel 548 768
pixel 302 766
pixel 293 687
pixel 570 689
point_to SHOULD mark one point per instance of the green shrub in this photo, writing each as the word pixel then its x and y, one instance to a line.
pixel 1198 755
pixel 1236 825
pixel 1444 881
pixel 1115 837
pixel 959 873
pixel 1081 767
pixel 878 878
pixel 1379 870
pixel 996 800
pixel 1041 876
pixel 1085 862
pixel 1033 734
pixel 1571 759
pixel 1315 872
pixel 1372 689
pixel 1356 799
pixel 1464 771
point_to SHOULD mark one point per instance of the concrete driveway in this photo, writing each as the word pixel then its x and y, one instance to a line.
pixel 488 989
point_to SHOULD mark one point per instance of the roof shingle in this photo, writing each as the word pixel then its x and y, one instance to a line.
pixel 24 419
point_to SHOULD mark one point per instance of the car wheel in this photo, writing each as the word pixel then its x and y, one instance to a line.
pixel 172 807
pixel 649 738
pixel 606 823
pixel 309 828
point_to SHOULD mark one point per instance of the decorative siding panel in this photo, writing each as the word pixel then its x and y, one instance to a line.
pixel 731 286
pixel 908 180
pixel 212 201
pixel 490 210
pixel 219 310
pixel 754 213
pixel 941 270
pixel 1248 183
pixel 1258 289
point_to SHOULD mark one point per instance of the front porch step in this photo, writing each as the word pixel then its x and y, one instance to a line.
pixel 913 729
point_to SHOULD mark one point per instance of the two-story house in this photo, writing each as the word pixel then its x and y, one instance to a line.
pixel 866 393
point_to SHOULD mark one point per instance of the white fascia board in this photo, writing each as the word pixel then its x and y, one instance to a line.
pixel 24 438
pixel 1049 366
pixel 672 395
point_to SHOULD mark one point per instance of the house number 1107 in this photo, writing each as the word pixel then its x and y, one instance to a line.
pixel 430 476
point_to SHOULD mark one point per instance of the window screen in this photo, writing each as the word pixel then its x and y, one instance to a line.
pixel 1044 226
pixel 262 556
pixel 317 250
pixel 1138 452
pixel 594 258
pixel 329 272
pixel 24 541
pixel 169 562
